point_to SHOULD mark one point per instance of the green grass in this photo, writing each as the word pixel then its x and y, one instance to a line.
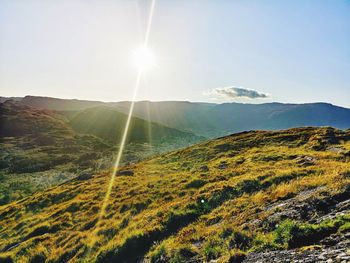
pixel 293 234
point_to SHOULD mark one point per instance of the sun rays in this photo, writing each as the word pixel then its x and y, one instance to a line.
pixel 144 59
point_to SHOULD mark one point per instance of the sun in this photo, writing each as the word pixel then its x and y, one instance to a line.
pixel 143 58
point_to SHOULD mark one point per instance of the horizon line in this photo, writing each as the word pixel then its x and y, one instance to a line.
pixel 186 101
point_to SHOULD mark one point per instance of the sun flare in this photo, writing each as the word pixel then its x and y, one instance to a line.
pixel 143 58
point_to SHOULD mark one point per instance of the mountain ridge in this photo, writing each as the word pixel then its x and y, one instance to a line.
pixel 108 123
pixel 213 120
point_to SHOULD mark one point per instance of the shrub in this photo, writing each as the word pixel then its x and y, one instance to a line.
pixel 285 232
pixel 38 258
pixel 237 256
pixel 184 254
pixel 158 255
pixel 4 199
pixel 213 249
pixel 197 183
pixel 239 240
pixel 6 259
pixel 249 186
pixel 293 234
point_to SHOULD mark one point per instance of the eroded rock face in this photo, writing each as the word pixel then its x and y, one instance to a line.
pixel 306 208
pixel 338 251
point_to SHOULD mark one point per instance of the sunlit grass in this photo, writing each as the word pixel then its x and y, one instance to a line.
pixel 160 206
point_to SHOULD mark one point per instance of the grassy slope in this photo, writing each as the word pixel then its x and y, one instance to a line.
pixel 195 204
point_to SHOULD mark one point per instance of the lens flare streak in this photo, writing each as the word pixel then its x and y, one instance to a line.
pixel 126 130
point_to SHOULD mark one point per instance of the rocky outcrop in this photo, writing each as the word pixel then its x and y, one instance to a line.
pixel 339 251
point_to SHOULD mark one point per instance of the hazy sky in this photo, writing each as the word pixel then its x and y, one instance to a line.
pixel 287 51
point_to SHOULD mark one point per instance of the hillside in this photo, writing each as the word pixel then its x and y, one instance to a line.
pixel 212 120
pixel 251 196
pixel 107 123
pixel 183 115
pixel 59 104
pixel 39 149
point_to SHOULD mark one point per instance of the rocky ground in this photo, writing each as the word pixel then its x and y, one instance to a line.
pixel 334 248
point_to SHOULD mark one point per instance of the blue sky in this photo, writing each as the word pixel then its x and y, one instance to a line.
pixel 294 51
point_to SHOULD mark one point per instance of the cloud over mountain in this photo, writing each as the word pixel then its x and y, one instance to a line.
pixel 236 92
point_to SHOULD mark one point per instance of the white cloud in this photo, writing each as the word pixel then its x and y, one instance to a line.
pixel 232 92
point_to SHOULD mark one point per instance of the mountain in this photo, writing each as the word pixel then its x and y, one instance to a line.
pixel 214 120
pixel 258 196
pixel 17 119
pixel 39 149
pixel 108 123
pixel 272 116
pixel 59 104
pixel 181 115
pixel 3 99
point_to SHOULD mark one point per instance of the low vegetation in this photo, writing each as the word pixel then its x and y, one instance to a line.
pixel 218 200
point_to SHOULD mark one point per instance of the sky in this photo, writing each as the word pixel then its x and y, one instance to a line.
pixel 216 51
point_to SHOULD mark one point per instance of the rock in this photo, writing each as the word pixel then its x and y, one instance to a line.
pixel 321 257
pixel 336 149
pixel 306 160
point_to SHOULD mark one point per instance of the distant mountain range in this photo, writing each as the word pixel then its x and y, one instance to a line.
pixel 212 120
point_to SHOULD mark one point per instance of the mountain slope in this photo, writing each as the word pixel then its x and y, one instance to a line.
pixel 181 115
pixel 219 200
pixel 17 119
pixel 59 104
pixel 39 149
pixel 272 116
pixel 212 120
pixel 108 123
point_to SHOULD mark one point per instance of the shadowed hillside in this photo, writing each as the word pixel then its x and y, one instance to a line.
pixel 232 199
pixel 107 123
pixel 212 120
pixel 40 149
pixel 59 104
